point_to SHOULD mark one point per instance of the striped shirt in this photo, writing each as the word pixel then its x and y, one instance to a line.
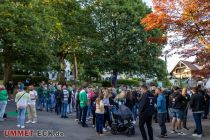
pixel 65 95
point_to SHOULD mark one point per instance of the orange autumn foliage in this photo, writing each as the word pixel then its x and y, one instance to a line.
pixel 188 19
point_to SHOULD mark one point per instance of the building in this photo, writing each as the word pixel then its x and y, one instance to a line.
pixel 184 70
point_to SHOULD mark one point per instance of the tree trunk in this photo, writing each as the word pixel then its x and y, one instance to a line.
pixel 7 72
pixel 75 68
pixel 114 78
pixel 61 73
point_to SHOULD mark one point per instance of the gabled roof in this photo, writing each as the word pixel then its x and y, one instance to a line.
pixel 188 64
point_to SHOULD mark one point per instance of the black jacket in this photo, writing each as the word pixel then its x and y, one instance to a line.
pixel 146 104
pixel 197 102
pixel 177 100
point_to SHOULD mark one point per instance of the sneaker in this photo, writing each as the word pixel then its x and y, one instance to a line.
pixel 134 122
pixel 76 120
pixel 29 121
pixel 104 130
pixel 173 132
pixel 18 125
pixel 33 122
pixel 22 127
pixel 197 135
pixel 161 136
pixel 108 127
pixel 93 126
pixel 181 134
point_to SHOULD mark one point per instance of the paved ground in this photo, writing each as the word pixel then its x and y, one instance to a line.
pixel 72 131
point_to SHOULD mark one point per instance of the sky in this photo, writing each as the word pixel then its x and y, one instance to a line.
pixel 172 60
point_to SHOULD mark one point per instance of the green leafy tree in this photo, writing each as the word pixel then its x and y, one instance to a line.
pixel 24 30
pixel 121 45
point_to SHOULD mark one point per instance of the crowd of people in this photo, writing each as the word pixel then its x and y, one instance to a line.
pixel 146 102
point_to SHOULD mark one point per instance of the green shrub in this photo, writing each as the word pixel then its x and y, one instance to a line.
pixel 128 82
pixel 35 79
pixel 106 84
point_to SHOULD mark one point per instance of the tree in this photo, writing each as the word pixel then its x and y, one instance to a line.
pixel 121 45
pixel 24 31
pixel 187 19
pixel 187 23
pixel 73 25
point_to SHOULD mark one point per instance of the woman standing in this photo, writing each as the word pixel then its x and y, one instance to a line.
pixel 3 101
pixel 99 114
pixel 22 99
pixel 107 111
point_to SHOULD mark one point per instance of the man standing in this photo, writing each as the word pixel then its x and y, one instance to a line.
pixel 83 98
pixel 196 103
pixel 31 109
pixel 161 110
pixel 177 110
pixel 65 96
pixel 146 111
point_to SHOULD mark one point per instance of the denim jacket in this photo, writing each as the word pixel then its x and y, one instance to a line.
pixel 161 103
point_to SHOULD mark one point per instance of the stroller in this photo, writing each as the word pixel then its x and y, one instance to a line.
pixel 122 118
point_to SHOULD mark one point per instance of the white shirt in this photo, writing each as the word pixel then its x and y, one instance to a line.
pixel 33 95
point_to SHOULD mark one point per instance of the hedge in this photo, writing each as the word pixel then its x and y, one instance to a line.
pixel 121 82
pixel 34 79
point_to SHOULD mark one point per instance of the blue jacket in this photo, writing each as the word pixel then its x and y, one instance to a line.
pixel 161 103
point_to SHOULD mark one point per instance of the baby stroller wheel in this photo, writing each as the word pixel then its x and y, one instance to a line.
pixel 131 131
pixel 114 132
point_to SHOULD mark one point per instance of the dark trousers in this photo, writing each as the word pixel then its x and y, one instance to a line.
pixel 185 118
pixel 167 114
pixel 107 118
pixel 198 124
pixel 83 114
pixel 58 107
pixel 162 121
pixel 99 122
pixel 94 116
pixel 148 120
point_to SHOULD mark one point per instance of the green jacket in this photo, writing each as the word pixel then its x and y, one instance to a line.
pixel 3 95
pixel 83 98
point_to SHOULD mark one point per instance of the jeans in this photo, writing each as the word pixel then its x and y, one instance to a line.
pixel 64 108
pixel 198 124
pixel 143 118
pixel 21 116
pixel 89 111
pixel 134 111
pixel 99 122
pixel 40 103
pixel 162 121
pixel 3 105
pixel 83 114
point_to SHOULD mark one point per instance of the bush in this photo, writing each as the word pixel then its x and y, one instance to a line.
pixel 128 82
pixel 106 84
pixel 34 79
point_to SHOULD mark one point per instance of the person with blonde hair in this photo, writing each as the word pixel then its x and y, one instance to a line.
pixel 3 101
pixel 99 114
